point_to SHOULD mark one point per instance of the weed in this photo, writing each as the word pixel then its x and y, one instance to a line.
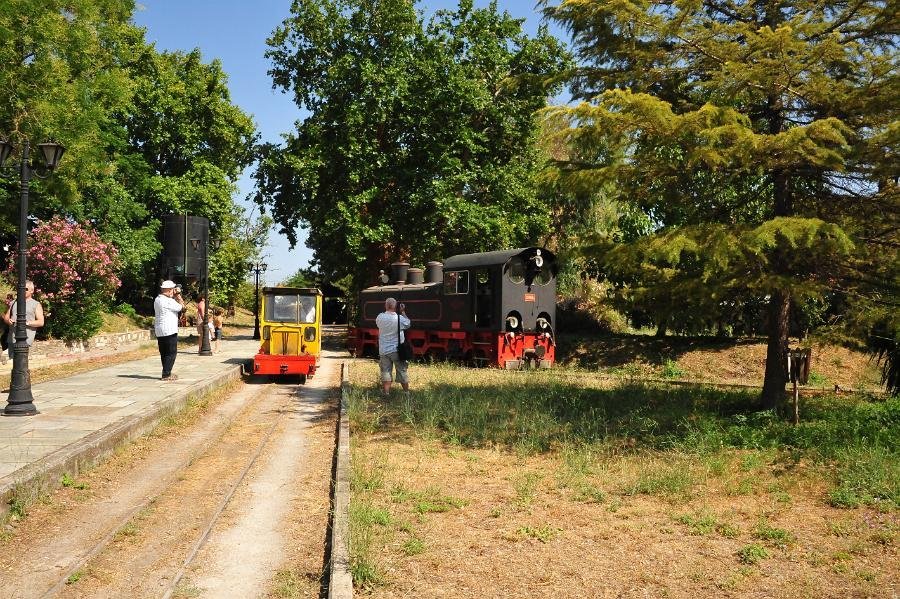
pixel 729 531
pixel 433 501
pixel 667 480
pixel 752 461
pixel 869 476
pixel 670 370
pixel 732 581
pixel 187 588
pixel 364 568
pixel 699 523
pixel 69 482
pixel 866 575
pixel 366 476
pixel 752 554
pixel 130 529
pixel 400 494
pixel 74 577
pixel 544 534
pixel 778 536
pixel 495 512
pixel 782 497
pixel 840 528
pixel 288 584
pixel 883 537
pixel 524 486
pixel 413 546
pixel 588 493
pixel 17 508
pixel 817 379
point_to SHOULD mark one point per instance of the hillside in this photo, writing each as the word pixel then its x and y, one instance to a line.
pixel 738 361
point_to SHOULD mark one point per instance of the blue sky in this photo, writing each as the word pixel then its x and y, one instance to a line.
pixel 235 32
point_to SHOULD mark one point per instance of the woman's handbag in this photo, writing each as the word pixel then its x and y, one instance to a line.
pixel 404 349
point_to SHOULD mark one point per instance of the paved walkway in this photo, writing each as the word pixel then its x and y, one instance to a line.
pixel 83 416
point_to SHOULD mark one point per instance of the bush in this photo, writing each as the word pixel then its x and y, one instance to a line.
pixel 589 312
pixel 74 272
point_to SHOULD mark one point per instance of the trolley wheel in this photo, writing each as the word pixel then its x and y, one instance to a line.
pixel 302 379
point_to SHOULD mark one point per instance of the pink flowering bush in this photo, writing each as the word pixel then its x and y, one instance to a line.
pixel 75 273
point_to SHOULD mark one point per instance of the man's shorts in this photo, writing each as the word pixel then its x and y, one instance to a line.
pixel 387 362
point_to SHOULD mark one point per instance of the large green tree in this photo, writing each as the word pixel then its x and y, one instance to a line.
pixel 61 76
pixel 419 141
pixel 760 136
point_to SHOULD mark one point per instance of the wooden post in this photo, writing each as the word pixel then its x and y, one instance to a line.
pixel 796 402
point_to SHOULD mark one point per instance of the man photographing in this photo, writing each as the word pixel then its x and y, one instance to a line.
pixel 166 307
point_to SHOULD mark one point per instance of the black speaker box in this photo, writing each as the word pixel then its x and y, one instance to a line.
pixel 184 241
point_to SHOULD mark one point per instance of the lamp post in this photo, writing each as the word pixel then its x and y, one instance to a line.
pixel 20 401
pixel 257 267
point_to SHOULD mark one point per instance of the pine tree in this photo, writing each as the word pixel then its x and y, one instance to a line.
pixel 760 136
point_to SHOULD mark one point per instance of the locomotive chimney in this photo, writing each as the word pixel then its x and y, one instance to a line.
pixel 414 276
pixel 398 272
pixel 434 272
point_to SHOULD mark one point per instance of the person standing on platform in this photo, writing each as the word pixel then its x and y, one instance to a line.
pixel 218 321
pixel 201 309
pixel 4 331
pixel 166 307
pixel 34 319
pixel 390 323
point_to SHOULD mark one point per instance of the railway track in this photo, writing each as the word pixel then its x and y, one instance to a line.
pixel 223 504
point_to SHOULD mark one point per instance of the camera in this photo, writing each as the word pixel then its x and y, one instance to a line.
pixel 401 307
pixel 177 289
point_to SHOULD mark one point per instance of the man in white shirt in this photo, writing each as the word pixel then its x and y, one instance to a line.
pixel 390 324
pixel 166 306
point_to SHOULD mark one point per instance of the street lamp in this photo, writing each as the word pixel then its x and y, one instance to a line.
pixel 257 267
pixel 20 401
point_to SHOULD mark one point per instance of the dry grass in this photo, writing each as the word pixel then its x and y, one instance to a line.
pixel 710 359
pixel 444 517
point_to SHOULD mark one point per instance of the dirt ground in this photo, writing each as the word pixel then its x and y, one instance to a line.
pixel 126 528
pixel 488 523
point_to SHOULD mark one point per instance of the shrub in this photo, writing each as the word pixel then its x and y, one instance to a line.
pixel 75 273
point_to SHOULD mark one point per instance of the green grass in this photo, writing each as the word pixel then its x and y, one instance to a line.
pixel 777 536
pixel 752 554
pixel 856 441
pixel 544 534
pixel 365 569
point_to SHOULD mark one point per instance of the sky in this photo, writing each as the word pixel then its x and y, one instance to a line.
pixel 235 32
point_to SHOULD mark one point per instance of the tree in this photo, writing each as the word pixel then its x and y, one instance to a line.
pixel 75 272
pixel 420 138
pixel 61 76
pixel 759 136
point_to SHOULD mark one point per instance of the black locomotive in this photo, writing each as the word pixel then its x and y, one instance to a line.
pixel 493 308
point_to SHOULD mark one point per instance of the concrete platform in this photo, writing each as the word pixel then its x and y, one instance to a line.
pixel 84 417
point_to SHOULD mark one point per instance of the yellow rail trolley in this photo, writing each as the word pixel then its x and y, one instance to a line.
pixel 291 331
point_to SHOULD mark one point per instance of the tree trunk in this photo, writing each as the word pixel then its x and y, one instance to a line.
pixel 775 378
pixel 662 327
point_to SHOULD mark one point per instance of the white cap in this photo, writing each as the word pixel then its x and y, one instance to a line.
pixel 167 285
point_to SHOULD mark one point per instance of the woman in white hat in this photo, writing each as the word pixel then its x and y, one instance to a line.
pixel 166 306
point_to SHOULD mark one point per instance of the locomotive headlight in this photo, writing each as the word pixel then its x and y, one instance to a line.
pixel 512 321
pixel 543 323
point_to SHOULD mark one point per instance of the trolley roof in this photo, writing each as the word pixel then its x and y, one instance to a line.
pixel 294 290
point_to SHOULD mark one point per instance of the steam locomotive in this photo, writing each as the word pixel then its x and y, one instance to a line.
pixel 491 309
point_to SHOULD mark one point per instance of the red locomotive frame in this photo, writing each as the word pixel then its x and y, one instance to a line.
pixel 483 348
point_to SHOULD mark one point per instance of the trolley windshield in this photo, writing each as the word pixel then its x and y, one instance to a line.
pixel 290 308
